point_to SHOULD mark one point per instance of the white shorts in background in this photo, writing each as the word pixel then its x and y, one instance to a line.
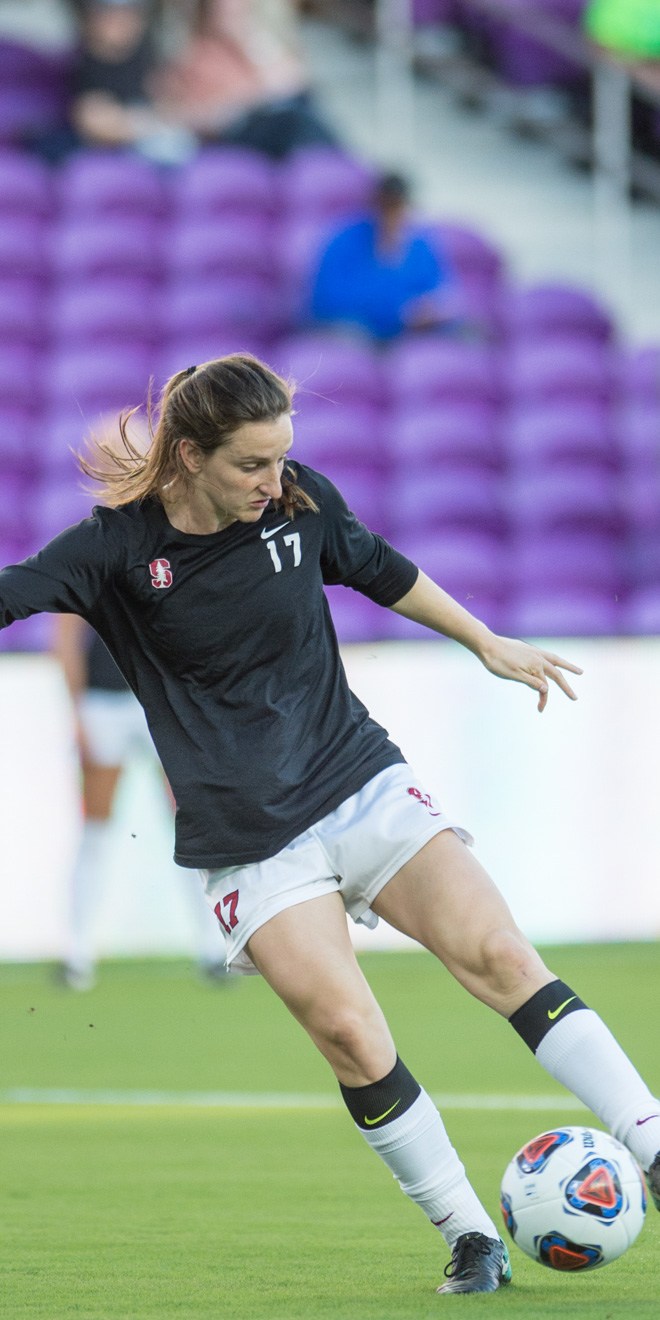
pixel 354 850
pixel 114 726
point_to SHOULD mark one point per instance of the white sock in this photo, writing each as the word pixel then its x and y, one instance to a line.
pixel 582 1054
pixel 420 1155
pixel 86 887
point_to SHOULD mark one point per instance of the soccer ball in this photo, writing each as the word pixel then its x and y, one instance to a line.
pixel 573 1199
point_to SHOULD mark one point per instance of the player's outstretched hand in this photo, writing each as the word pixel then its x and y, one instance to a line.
pixel 508 658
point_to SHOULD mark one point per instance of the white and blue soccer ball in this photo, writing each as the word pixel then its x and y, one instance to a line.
pixel 573 1199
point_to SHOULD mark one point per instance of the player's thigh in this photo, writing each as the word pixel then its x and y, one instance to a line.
pixel 445 899
pixel 306 955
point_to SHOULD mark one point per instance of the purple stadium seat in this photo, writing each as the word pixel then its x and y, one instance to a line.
pixel 525 62
pixel 11 552
pixel 25 185
pixel 476 267
pixel 224 245
pixel 453 434
pixel 477 305
pixel 224 181
pixel 425 369
pixel 33 634
pixel 16 440
pixel 432 499
pixel 58 433
pixel 642 557
pixel 26 110
pixel 181 353
pixel 81 249
pixel 96 378
pixel 334 370
pixel 105 310
pixel 56 503
pixel 355 617
pixel 243 303
pixel 639 494
pixel 539 435
pixel 562 370
pixel 298 242
pixel 23 64
pixel 363 490
pixel 471 566
pixel 579 613
pixel 566 560
pixel 641 612
pixel 555 309
pixel 321 181
pixel 581 498
pixel 20 380
pixel 347 433
pixel 108 183
pixel 469 253
pixel 432 11
pixel 640 376
pixel 637 430
pixel 22 318
pixel 15 520
pixel 22 246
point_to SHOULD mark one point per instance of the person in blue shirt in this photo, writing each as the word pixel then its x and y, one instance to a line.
pixel 381 273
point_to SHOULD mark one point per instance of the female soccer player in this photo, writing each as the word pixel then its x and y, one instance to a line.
pixel 205 580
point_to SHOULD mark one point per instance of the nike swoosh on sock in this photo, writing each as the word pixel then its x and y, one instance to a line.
pixel 370 1122
pixel 554 1012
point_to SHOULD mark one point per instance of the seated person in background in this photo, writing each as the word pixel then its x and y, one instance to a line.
pixel 381 273
pixel 112 103
pixel 241 78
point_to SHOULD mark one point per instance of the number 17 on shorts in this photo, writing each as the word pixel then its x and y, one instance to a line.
pixel 229 920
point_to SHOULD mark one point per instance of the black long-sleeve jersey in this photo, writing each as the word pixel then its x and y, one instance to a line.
pixel 227 641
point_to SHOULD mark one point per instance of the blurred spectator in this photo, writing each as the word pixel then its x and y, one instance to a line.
pixel 382 274
pixel 241 79
pixel 111 101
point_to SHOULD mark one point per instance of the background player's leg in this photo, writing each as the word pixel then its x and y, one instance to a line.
pixel 209 950
pixel 445 899
pixel 99 787
pixel 306 955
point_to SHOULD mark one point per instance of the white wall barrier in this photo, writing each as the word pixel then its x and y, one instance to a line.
pixel 563 806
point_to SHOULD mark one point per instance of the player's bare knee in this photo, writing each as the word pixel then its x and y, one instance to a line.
pixel 346 1035
pixel 508 962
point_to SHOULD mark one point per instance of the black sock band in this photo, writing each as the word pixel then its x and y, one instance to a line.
pixel 539 1015
pixel 380 1103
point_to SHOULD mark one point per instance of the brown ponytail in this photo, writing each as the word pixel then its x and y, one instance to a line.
pixel 205 404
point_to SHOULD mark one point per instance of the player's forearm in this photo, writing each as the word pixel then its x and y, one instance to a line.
pixel 428 604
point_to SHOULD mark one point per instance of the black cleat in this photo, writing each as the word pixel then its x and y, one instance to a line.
pixel 653 1181
pixel 478 1264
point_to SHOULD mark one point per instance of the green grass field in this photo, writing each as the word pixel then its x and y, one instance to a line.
pixel 129 1212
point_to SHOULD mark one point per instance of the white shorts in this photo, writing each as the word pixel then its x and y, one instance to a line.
pixel 355 850
pixel 114 726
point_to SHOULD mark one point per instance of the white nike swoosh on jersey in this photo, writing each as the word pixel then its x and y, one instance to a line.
pixel 270 531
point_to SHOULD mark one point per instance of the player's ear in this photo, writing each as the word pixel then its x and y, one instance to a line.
pixel 191 456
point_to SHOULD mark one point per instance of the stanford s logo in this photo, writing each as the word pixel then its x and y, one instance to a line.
pixel 161 573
